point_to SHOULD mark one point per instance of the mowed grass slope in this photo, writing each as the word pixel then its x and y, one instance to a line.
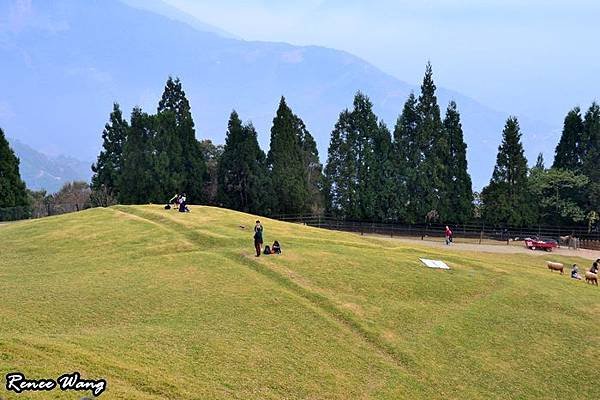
pixel 169 305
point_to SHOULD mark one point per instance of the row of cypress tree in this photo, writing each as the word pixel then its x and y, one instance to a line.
pixel 415 173
pixel 419 173
pixel 579 150
pixel 566 193
pixel 288 180
pixel 152 157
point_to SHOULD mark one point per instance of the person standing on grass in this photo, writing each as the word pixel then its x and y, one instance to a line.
pixel 258 238
pixel 448 234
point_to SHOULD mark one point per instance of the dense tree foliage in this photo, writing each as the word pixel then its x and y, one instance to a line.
pixel 110 160
pixel 578 153
pixel 287 161
pixel 557 193
pixel 417 174
pixel 243 180
pixel 432 170
pixel 507 198
pixel 189 164
pixel 137 183
pixel 212 156
pixel 591 155
pixel 12 188
pixel 569 151
pixel 359 169
pixel 407 157
pixel 458 181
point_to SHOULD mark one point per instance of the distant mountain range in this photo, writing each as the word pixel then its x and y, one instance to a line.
pixel 40 171
pixel 64 62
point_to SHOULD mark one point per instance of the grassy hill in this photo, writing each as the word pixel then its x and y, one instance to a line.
pixel 170 305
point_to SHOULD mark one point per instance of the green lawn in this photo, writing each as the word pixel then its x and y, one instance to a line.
pixel 169 305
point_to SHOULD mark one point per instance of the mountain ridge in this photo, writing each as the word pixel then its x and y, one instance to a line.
pixel 40 171
pixel 95 55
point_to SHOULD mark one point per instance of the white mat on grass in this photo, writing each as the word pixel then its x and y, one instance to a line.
pixel 434 263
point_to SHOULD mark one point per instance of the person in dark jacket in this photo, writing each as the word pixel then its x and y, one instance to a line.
pixel 276 248
pixel 258 238
pixel 183 203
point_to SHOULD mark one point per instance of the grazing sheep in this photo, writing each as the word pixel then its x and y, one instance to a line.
pixel 591 278
pixel 554 266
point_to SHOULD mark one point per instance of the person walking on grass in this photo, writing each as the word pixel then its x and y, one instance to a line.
pixel 258 238
pixel 448 235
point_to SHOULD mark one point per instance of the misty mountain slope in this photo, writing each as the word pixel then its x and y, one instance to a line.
pixel 66 61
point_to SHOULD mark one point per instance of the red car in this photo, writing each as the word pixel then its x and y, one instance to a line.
pixel 534 244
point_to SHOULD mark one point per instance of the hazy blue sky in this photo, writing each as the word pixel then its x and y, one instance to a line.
pixel 534 57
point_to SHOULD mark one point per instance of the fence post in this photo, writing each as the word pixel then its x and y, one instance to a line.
pixel 481 234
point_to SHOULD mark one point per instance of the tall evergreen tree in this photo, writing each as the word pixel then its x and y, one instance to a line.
pixel 313 169
pixel 507 199
pixel 212 155
pixel 287 163
pixel 137 183
pixel 539 162
pixel 359 168
pixel 431 172
pixel 341 174
pixel 384 185
pixel 110 160
pixel 458 180
pixel 407 157
pixel 591 155
pixel 367 130
pixel 12 187
pixel 167 155
pixel 192 166
pixel 242 170
pixel 569 151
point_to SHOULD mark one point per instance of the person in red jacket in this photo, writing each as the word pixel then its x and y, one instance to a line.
pixel 448 234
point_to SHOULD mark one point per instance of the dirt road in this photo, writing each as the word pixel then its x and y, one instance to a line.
pixel 513 248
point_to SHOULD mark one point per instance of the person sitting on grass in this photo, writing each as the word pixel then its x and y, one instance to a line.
pixel 276 248
pixel 183 204
pixel 267 250
pixel 575 272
